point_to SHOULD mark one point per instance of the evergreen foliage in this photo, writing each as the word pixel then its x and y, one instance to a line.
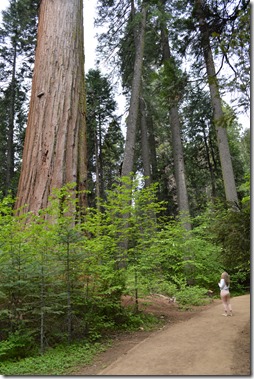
pixel 61 282
pixel 105 139
pixel 17 45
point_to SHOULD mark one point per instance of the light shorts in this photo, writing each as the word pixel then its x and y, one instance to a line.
pixel 224 292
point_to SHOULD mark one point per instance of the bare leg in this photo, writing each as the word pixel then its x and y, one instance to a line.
pixel 229 308
pixel 225 297
pixel 225 305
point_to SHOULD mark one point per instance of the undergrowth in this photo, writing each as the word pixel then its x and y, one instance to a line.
pixel 63 359
pixel 57 361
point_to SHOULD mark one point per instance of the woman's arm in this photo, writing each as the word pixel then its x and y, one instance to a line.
pixel 221 284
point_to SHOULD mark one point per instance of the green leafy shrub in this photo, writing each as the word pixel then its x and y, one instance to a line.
pixel 230 230
pixel 18 345
pixel 63 279
pixel 189 296
pixel 239 281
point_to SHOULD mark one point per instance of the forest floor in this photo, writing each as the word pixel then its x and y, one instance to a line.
pixel 193 342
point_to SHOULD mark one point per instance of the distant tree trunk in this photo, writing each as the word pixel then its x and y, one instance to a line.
pixel 209 163
pixel 42 308
pixel 144 143
pixel 97 171
pixel 179 166
pixel 68 293
pixel 225 157
pixel 128 160
pixel 152 146
pixel 134 101
pixel 55 142
pixel 101 164
pixel 10 142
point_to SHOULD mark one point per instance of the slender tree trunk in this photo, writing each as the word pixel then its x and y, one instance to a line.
pixel 55 143
pixel 42 305
pixel 101 166
pixel 10 145
pixel 152 146
pixel 225 157
pixel 144 143
pixel 209 164
pixel 97 170
pixel 128 160
pixel 179 166
pixel 212 151
pixel 69 305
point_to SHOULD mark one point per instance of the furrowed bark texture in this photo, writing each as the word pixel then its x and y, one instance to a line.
pixel 55 143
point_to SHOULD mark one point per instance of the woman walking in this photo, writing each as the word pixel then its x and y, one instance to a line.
pixel 224 294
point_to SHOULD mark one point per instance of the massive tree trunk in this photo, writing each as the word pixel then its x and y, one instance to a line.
pixel 134 101
pixel 225 157
pixel 55 143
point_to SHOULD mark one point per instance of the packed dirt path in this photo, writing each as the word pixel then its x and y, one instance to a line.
pixel 207 344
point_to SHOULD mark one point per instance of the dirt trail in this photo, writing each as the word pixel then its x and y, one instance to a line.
pixel 207 344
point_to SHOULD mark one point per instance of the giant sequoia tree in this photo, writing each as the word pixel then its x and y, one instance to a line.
pixel 55 142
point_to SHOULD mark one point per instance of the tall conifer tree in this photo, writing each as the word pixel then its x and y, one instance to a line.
pixel 55 142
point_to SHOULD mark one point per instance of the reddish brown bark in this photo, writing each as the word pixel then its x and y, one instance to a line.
pixel 55 142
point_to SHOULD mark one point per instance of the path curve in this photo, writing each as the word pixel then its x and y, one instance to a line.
pixel 203 345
